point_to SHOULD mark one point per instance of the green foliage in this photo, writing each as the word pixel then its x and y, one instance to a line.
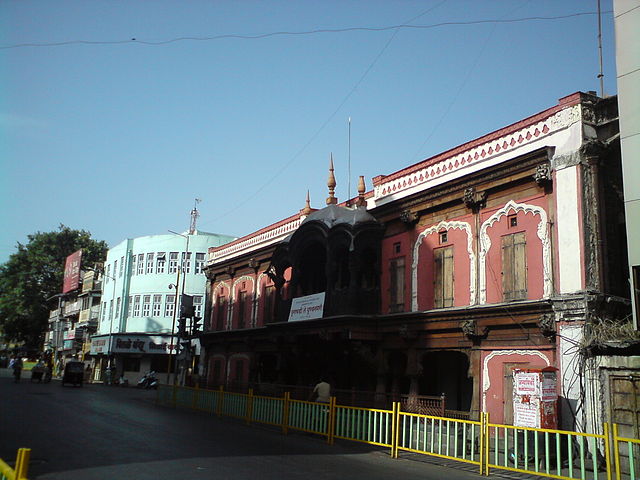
pixel 34 274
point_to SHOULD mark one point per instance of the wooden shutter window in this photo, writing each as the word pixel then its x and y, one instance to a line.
pixel 443 280
pixel 514 266
pixel 396 288
pixel 221 312
pixel 242 305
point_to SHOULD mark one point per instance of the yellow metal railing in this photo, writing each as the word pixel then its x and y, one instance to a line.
pixel 549 453
pixel 442 437
pixel 546 452
pixel 626 460
pixel 21 469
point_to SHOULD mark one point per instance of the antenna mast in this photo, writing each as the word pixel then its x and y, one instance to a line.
pixel 601 74
pixel 194 216
pixel 349 165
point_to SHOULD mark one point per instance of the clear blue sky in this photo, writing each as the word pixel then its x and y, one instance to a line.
pixel 120 138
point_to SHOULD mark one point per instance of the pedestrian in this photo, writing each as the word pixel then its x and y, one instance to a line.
pixel 17 369
pixel 322 391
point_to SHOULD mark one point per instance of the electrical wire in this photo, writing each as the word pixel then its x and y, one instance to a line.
pixel 324 124
pixel 299 33
pixel 454 99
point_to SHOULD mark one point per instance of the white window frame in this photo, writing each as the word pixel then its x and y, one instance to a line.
pixel 150 259
pixel 173 262
pixel 169 305
pixel 133 264
pixel 118 301
pixel 146 305
pixel 161 262
pixel 197 305
pixel 121 266
pixel 141 264
pixel 157 305
pixel 136 306
pixel 200 263
pixel 186 262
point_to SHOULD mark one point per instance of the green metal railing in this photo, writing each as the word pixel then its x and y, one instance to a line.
pixel 544 452
pixel 453 439
pixel 627 456
pixel 548 453
pixel 267 410
pixel 372 426
pixel 310 417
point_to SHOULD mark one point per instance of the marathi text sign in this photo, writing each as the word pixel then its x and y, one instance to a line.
pixel 527 383
pixel 307 308
pixel 526 415
pixel 72 272
pixel 143 344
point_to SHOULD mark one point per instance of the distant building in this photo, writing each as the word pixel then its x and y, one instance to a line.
pixel 75 316
pixel 142 277
pixel 627 27
pixel 501 253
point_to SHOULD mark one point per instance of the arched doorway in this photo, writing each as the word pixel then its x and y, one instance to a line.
pixel 447 372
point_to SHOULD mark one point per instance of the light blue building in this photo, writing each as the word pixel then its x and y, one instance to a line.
pixel 142 284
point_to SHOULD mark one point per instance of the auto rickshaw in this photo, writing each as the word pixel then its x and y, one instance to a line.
pixel 37 372
pixel 73 373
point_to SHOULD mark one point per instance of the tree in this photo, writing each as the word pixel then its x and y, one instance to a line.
pixel 33 275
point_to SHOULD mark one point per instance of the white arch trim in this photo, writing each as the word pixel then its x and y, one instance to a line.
pixel 486 381
pixel 218 286
pixel 243 278
pixel 543 235
pixel 235 356
pixel 258 290
pixel 444 225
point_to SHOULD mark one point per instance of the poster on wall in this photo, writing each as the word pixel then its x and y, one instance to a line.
pixel 527 383
pixel 307 308
pixel 526 415
pixel 549 386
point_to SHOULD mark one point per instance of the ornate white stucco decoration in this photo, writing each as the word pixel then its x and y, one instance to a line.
pixel 565 117
pixel 486 381
pixel 216 289
pixel 444 225
pixel 258 283
pixel 543 235
pixel 499 146
pixel 232 298
pixel 258 240
pixel 243 278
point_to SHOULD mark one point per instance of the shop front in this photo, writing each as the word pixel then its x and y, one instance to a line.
pixel 132 355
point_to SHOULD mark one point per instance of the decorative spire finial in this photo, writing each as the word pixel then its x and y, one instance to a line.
pixel 307 207
pixel 331 183
pixel 361 189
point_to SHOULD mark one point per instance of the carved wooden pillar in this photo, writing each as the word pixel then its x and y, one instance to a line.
pixel 381 379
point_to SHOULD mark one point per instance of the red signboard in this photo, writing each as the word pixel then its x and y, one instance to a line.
pixel 72 272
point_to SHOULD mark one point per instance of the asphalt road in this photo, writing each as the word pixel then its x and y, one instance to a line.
pixel 98 432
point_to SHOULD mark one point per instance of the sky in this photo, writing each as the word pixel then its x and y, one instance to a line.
pixel 116 115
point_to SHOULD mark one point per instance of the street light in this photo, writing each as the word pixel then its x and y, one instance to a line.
pixel 175 305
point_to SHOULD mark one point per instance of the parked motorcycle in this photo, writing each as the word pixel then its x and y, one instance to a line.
pixel 149 380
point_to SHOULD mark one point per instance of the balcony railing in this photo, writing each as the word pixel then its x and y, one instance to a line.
pixel 71 308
